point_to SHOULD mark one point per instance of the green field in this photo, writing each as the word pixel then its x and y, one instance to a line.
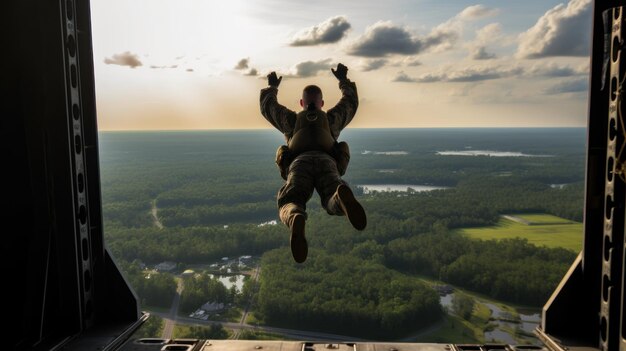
pixel 540 219
pixel 543 230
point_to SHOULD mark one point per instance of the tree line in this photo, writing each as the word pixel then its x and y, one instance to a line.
pixel 342 294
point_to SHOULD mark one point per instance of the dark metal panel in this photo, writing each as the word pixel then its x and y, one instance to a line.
pixel 596 296
pixel 613 218
pixel 62 280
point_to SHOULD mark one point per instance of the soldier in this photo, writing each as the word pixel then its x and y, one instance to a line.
pixel 313 158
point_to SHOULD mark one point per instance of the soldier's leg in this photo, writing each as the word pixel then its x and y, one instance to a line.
pixel 297 190
pixel 336 196
pixel 292 199
pixel 326 182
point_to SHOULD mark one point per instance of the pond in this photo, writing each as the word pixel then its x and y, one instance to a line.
pixel 528 321
pixel 498 334
pixel 388 153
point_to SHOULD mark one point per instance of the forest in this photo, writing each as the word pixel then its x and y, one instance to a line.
pixel 213 190
pixel 344 294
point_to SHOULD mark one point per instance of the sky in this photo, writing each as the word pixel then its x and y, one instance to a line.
pixel 200 64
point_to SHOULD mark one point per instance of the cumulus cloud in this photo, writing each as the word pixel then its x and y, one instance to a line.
pixel 576 85
pixel 489 33
pixel 330 31
pixel 242 64
pixel 475 12
pixel 385 38
pixel 470 74
pixel 553 70
pixel 480 53
pixel 123 59
pixel 485 73
pixel 310 68
pixel 303 69
pixel 252 72
pixel 411 62
pixel 163 67
pixel 575 77
pixel 484 36
pixel 372 65
pixel 403 77
pixel 561 31
pixel 407 61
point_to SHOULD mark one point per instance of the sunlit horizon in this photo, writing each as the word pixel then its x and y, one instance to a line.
pixel 196 65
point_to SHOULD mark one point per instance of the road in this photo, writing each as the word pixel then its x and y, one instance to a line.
pixel 291 333
pixel 171 318
pixel 155 217
pixel 244 316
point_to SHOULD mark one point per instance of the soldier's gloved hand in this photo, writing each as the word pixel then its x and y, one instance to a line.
pixel 341 72
pixel 273 80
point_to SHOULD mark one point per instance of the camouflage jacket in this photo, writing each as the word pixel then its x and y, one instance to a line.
pixel 284 119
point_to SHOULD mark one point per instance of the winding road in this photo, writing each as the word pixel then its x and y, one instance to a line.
pixel 171 318
pixel 155 217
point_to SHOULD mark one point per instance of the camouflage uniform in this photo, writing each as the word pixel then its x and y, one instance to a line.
pixel 312 169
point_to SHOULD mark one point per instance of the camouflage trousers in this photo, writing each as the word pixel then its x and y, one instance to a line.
pixel 313 170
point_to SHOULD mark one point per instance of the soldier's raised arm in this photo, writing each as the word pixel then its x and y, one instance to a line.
pixel 341 114
pixel 278 115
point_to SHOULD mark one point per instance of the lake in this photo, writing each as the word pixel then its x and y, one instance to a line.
pixel 490 153
pixel 369 188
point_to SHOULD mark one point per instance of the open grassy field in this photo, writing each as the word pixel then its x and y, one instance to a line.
pixel 540 218
pixel 542 230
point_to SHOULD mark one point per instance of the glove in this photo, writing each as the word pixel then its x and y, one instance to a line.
pixel 273 80
pixel 341 72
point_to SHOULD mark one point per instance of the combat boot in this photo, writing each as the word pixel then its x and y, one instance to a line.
pixel 351 207
pixel 299 246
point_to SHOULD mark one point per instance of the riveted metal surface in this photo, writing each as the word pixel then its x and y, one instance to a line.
pixel 74 104
pixel 612 282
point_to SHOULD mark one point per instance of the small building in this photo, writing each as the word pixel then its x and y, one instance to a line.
pixel 166 266
pixel 444 290
pixel 245 260
pixel 188 272
pixel 212 306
